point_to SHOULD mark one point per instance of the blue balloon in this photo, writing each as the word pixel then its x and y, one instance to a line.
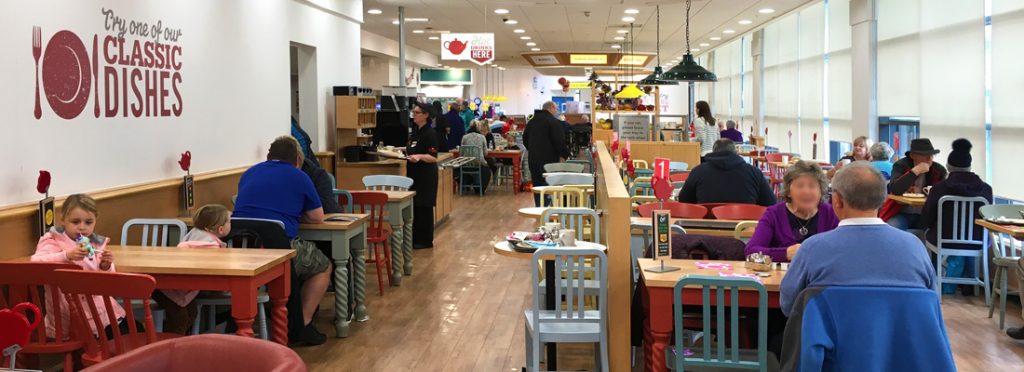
pixel 477 101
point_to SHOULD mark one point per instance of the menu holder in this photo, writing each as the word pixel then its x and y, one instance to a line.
pixel 662 241
pixel 188 194
pixel 45 215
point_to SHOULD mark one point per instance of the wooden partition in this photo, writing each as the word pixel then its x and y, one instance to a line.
pixel 688 152
pixel 159 199
pixel 613 202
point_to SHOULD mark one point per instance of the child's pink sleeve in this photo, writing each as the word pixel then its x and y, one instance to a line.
pixel 49 251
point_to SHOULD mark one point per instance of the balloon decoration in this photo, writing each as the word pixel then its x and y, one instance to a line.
pixel 564 83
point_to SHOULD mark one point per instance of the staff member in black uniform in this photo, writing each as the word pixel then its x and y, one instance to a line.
pixel 422 169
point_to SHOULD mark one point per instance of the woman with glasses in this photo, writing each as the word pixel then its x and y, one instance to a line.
pixel 422 168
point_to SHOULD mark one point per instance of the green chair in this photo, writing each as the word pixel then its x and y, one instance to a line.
pixel 719 356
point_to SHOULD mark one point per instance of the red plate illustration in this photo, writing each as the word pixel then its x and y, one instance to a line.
pixel 67 77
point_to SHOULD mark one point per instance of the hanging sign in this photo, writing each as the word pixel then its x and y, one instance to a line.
pixel 633 127
pixel 478 47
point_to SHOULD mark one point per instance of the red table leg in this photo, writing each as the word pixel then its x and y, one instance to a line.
pixel 657 327
pixel 243 304
pixel 517 172
pixel 279 289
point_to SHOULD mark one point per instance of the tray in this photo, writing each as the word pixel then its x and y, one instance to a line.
pixel 1006 221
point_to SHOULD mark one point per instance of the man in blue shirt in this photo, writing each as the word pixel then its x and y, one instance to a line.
pixel 276 189
pixel 863 250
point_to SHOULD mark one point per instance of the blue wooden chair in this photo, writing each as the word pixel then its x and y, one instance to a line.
pixel 474 171
pixel 387 183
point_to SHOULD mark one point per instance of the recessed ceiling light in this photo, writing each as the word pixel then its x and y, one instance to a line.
pixel 535 49
pixel 511 22
pixel 616 46
pixel 620 38
pixel 433 38
pixel 374 11
pixel 622 31
pixel 410 20
pixel 631 11
pixel 501 11
pixel 531 44
pixel 728 31
pixel 446 66
pixel 766 11
pixel 694 49
pixel 524 38
pixel 704 44
pixel 519 31
pixel 745 22
pixel 628 19
pixel 417 31
pixel 395 22
pixel 715 38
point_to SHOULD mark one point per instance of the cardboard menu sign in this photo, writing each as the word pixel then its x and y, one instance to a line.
pixel 662 241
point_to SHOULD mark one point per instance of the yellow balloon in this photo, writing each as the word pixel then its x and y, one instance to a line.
pixel 472 106
pixel 483 107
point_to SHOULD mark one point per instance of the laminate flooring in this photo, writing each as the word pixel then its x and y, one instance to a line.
pixel 462 309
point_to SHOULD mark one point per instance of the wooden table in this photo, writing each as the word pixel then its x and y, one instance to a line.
pixel 532 212
pixel 658 301
pixel 348 243
pixel 239 271
pixel 517 164
pixel 1014 231
pixel 906 200
pixel 723 228
pixel 400 218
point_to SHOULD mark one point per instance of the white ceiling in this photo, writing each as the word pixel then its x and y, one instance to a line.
pixel 564 25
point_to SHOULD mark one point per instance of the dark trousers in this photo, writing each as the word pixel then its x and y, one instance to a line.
pixel 178 319
pixel 537 178
pixel 423 225
pixel 122 327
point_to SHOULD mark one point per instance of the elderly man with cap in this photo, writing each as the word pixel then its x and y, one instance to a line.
pixel 911 175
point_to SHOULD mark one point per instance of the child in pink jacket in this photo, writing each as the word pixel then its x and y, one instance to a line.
pixel 78 219
pixel 211 222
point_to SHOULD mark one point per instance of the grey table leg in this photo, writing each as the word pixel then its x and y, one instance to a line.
pixel 397 238
pixel 357 242
pixel 407 215
pixel 341 295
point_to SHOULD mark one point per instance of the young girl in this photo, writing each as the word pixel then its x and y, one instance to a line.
pixel 211 222
pixel 78 219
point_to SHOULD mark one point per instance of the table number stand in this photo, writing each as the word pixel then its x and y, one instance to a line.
pixel 662 242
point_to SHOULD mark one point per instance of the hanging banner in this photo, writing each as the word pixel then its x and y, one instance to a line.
pixel 478 48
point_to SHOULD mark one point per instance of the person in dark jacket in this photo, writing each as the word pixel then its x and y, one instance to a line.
pixel 545 142
pixel 456 127
pixel 305 141
pixel 440 126
pixel 731 133
pixel 324 186
pixel 961 182
pixel 911 175
pixel 724 177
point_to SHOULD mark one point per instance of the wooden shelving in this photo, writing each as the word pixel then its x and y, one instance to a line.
pixel 353 115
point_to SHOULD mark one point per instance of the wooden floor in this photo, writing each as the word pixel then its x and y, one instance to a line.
pixel 462 310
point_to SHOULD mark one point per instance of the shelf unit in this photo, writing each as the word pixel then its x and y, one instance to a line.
pixel 596 111
pixel 353 115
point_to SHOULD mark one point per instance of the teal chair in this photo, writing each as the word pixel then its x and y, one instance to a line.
pixel 346 203
pixel 721 357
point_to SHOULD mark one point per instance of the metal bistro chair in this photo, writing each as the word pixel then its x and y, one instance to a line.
pixel 962 235
pixel 387 183
pixel 156 232
pixel 562 196
pixel 587 164
pixel 570 322
pixel 678 166
pixel 1004 254
pixel 570 179
pixel 564 167
pixel 586 223
pixel 476 170
pixel 721 357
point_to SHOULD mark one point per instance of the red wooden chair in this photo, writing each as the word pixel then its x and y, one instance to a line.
pixel 374 203
pixel 678 177
pixel 676 209
pixel 745 212
pixel 711 206
pixel 23 281
pixel 81 290
pixel 207 352
pixel 775 173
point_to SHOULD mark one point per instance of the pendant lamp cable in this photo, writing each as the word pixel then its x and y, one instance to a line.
pixel 687 27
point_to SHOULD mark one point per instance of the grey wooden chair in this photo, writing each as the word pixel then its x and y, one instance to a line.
pixel 570 322
pixel 1004 255
pixel 962 235
pixel 564 167
pixel 387 183
pixel 475 170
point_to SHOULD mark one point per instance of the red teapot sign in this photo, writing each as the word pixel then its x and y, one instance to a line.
pixel 478 48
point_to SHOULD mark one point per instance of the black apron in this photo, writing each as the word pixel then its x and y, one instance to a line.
pixel 424 141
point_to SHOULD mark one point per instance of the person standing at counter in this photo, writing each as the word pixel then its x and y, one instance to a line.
pixel 440 126
pixel 422 168
pixel 545 143
pixel 456 127
pixel 466 114
pixel 704 127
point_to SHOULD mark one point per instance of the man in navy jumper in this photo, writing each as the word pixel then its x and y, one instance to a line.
pixel 863 250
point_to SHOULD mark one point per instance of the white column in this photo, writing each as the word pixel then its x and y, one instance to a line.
pixel 401 46
pixel 864 53
pixel 757 83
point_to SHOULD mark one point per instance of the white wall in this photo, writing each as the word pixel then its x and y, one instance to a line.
pixel 234 90
pixel 523 98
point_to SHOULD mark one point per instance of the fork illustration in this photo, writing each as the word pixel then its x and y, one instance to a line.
pixel 37 51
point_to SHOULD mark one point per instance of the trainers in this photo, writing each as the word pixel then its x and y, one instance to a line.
pixel 308 336
pixel 1016 333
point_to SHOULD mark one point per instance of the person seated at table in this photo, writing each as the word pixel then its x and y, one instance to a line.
pixel 961 182
pixel 498 126
pixel 476 138
pixel 70 243
pixel 730 132
pixel 859 152
pixel 276 189
pixel 881 158
pixel 324 187
pixel 210 223
pixel 724 177
pixel 802 214
pixel 862 250
pixel 911 175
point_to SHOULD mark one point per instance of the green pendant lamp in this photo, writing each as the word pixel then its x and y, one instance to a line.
pixel 630 91
pixel 688 69
pixel 656 77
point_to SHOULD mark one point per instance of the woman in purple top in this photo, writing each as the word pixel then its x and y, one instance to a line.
pixel 801 214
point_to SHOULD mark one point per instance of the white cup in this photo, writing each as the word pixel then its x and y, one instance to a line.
pixel 567 237
pixel 785 158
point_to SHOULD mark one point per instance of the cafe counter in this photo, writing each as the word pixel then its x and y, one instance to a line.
pixel 350 177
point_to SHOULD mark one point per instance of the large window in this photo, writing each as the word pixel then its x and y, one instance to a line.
pixel 1007 98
